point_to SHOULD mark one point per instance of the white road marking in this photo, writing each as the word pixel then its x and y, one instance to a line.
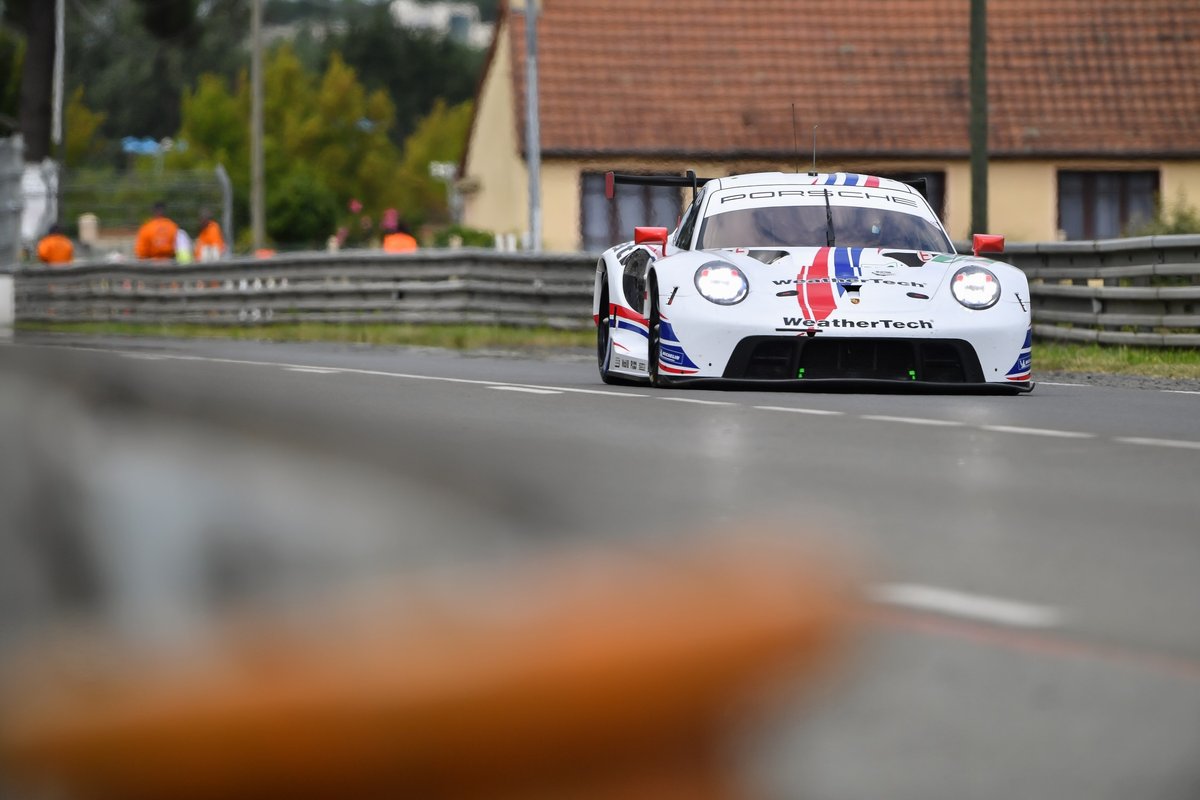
pixel 979 607
pixel 348 370
pixel 1179 391
pixel 144 356
pixel 699 402
pixel 1038 432
pixel 1159 442
pixel 818 411
pixel 913 420
pixel 526 389
pixel 1048 383
pixel 539 389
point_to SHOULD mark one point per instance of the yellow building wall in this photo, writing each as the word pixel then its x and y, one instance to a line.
pixel 560 206
pixel 1022 201
pixel 495 181
pixel 1180 182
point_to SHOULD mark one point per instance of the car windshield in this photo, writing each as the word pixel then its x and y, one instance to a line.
pixel 805 226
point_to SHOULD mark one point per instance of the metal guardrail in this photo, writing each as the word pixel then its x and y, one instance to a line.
pixel 1143 291
pixel 428 287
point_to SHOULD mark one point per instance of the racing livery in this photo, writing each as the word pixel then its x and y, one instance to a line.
pixel 803 280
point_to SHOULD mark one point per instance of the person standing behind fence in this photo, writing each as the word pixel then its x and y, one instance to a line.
pixel 156 238
pixel 397 239
pixel 210 244
pixel 54 248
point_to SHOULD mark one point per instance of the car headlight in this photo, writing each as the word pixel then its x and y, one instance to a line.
pixel 723 284
pixel 975 287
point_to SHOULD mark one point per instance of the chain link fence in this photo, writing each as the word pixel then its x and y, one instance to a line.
pixel 122 201
pixel 10 201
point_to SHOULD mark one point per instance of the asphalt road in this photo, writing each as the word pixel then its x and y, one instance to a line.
pixel 1035 559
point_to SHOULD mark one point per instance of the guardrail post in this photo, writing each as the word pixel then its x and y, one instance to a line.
pixel 7 306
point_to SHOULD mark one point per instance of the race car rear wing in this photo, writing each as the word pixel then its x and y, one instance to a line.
pixel 611 179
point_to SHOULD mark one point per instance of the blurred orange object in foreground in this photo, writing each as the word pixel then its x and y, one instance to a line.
pixel 599 675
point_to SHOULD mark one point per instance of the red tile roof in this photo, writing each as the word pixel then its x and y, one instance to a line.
pixel 882 77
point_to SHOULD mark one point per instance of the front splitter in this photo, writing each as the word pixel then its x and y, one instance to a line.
pixel 847 385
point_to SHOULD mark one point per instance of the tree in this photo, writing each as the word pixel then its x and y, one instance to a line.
pixel 415 68
pixel 441 136
pixel 137 76
pixel 167 19
pixel 12 53
pixel 329 123
pixel 81 137
pixel 302 211
pixel 36 72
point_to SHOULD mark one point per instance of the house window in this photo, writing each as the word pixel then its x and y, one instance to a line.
pixel 605 222
pixel 1105 205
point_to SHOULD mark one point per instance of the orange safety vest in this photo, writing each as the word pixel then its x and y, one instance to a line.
pixel 210 237
pixel 156 239
pixel 399 243
pixel 55 249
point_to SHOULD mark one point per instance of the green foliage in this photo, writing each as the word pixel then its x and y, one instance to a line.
pixel 1159 362
pixel 1178 217
pixel 441 136
pixel 329 123
pixel 137 78
pixel 414 68
pixel 81 131
pixel 12 55
pixel 167 19
pixel 466 237
pixel 460 337
pixel 301 210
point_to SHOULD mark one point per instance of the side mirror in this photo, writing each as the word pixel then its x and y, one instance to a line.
pixel 987 243
pixel 656 236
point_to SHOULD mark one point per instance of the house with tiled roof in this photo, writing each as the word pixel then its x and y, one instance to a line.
pixel 1094 107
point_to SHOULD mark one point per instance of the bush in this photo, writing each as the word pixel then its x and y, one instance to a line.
pixel 471 237
pixel 301 210
pixel 1178 217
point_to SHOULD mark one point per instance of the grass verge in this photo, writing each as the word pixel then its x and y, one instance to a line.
pixel 456 337
pixel 1117 360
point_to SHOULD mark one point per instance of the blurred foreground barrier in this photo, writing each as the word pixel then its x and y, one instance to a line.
pixel 205 595
pixel 1143 291
pixel 599 675
pixel 429 286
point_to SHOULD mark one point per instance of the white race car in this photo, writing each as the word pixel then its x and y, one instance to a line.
pixel 807 280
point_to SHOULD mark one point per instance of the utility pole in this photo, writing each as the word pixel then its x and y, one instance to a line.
pixel 533 133
pixel 56 126
pixel 257 225
pixel 979 117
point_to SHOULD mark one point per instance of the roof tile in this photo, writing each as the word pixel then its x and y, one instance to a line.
pixel 880 77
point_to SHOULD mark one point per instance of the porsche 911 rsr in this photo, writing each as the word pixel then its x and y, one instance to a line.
pixel 803 280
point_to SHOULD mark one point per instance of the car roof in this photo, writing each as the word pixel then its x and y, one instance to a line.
pixel 809 179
